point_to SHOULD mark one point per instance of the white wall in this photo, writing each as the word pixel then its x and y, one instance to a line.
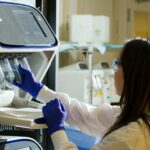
pixel 124 17
pixel 134 6
pixel 67 8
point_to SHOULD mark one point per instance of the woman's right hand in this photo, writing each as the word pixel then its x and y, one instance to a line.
pixel 29 82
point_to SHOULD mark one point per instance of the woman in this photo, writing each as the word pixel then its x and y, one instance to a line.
pixel 123 128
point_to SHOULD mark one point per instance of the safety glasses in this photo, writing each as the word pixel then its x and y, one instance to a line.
pixel 116 63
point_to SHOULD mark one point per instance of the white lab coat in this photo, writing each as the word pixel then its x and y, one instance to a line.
pixel 95 121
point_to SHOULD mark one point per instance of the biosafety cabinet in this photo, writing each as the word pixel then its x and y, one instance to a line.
pixel 26 38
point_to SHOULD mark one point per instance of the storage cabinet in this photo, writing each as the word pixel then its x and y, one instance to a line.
pixel 40 135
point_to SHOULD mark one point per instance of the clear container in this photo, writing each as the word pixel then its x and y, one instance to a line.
pixel 7 70
pixel 2 79
pixel 23 61
pixel 14 65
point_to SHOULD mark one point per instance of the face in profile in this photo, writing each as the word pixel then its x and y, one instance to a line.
pixel 119 80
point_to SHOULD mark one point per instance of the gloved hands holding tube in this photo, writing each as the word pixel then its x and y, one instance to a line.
pixel 54 114
pixel 29 83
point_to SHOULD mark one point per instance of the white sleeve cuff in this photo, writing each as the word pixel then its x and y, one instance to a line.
pixel 46 94
pixel 59 138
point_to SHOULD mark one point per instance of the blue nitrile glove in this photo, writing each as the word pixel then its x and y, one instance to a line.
pixel 29 83
pixel 54 116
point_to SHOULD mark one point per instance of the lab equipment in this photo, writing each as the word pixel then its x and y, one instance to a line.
pixel 14 65
pixel 23 61
pixel 26 38
pixel 26 2
pixel 23 25
pixel 2 79
pixel 77 83
pixel 108 90
pixel 91 28
pixel 7 70
pixel 25 46
pixel 19 102
pixel 6 97
pixel 18 143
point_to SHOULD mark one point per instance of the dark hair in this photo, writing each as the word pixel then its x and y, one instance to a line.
pixel 135 98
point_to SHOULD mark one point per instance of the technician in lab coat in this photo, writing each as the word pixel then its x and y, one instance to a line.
pixel 123 128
